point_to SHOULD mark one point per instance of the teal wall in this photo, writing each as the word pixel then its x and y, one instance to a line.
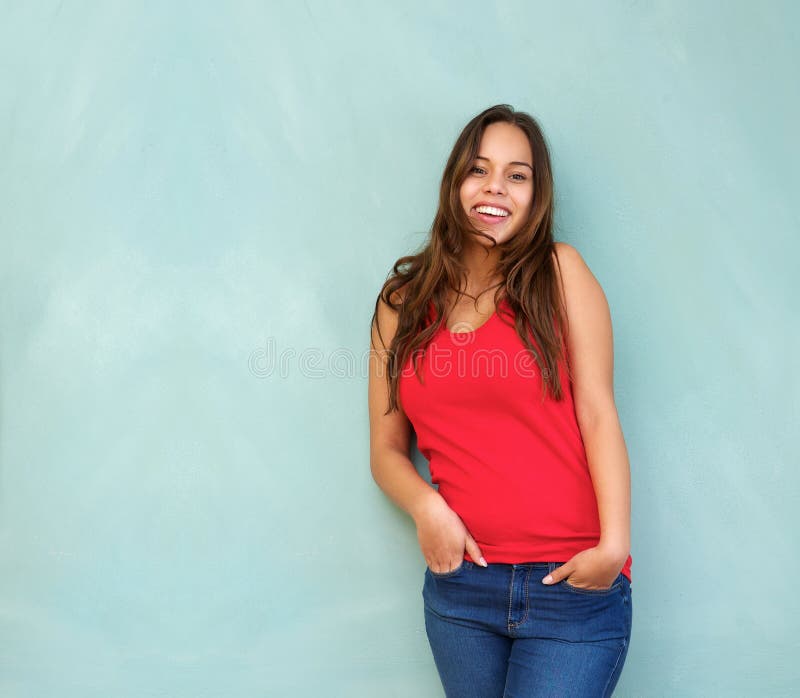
pixel 198 204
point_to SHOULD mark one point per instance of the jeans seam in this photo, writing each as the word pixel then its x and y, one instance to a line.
pixel 527 604
pixel 511 596
pixel 616 664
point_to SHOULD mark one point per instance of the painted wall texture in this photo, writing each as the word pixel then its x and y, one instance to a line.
pixel 198 205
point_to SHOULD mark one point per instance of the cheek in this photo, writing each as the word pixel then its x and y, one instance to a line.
pixel 471 188
pixel 466 195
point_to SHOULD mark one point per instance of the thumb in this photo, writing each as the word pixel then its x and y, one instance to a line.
pixel 474 551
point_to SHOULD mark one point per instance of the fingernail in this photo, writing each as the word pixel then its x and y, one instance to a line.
pixel 548 579
pixel 483 563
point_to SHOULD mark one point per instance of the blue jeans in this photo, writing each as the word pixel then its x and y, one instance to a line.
pixel 498 632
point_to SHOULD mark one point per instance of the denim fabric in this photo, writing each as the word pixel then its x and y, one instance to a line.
pixel 498 632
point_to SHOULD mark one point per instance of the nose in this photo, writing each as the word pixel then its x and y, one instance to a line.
pixel 496 184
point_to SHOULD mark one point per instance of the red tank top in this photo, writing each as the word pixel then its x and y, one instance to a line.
pixel 512 467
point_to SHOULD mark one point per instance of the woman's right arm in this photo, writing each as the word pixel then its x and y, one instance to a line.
pixel 441 533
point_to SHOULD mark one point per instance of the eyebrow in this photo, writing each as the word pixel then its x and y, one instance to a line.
pixel 516 162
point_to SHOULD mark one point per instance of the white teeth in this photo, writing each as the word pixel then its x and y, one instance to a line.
pixel 491 210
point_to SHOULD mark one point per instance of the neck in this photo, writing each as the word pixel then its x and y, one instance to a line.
pixel 481 265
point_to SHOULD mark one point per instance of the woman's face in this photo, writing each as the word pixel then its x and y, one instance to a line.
pixel 498 192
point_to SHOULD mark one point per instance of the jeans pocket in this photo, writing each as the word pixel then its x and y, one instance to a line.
pixel 616 585
pixel 449 573
pixel 564 584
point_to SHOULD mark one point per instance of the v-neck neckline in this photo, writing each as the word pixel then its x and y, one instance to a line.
pixel 474 330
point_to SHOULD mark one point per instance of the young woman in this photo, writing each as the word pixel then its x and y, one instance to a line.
pixel 495 344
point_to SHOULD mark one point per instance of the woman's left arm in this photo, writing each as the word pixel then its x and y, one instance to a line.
pixel 591 356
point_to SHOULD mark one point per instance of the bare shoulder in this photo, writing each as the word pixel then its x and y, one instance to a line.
pixel 567 255
pixel 575 277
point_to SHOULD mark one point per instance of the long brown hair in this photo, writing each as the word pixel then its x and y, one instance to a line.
pixel 526 263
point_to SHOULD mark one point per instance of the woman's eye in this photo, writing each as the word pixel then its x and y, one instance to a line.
pixel 517 176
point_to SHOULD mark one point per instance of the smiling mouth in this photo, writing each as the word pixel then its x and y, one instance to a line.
pixel 491 214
